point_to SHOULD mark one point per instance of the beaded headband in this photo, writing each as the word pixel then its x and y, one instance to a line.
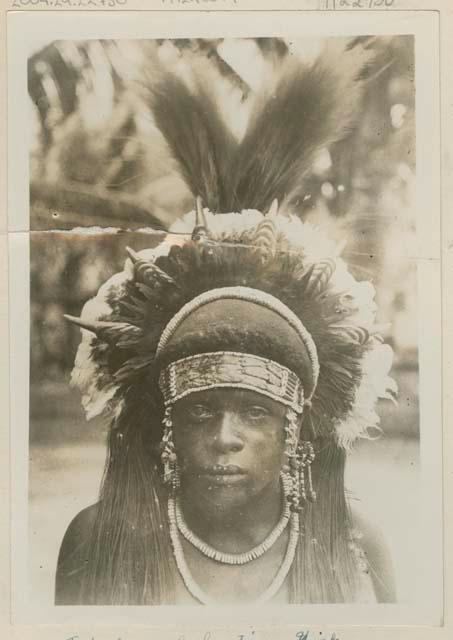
pixel 230 369
pixel 260 298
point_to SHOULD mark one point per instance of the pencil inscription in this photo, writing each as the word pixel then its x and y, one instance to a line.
pixel 358 4
pixel 70 4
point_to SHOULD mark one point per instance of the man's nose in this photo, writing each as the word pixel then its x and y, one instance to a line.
pixel 228 435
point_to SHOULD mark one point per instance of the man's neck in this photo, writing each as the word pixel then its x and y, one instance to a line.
pixel 233 528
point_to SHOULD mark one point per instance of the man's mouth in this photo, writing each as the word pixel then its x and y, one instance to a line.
pixel 221 475
pixel 223 470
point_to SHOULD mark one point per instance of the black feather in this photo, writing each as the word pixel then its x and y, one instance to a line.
pixel 198 138
pixel 310 108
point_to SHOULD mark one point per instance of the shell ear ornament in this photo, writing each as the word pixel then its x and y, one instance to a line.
pixel 297 470
pixel 306 456
pixel 200 231
pixel 168 455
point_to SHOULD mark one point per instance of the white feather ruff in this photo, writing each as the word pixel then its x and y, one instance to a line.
pixel 98 392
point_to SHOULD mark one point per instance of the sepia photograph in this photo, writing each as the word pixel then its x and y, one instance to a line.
pixel 231 351
pixel 247 360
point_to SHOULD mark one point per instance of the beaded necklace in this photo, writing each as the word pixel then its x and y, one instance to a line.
pixel 232 558
pixel 196 591
pixel 235 558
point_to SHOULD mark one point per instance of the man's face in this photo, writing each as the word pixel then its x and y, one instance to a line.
pixel 230 444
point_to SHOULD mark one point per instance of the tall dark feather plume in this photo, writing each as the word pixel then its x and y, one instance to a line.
pixel 310 107
pixel 198 137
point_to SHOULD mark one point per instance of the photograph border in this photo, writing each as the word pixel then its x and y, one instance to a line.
pixel 427 256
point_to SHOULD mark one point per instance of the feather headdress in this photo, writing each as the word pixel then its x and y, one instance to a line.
pixel 308 107
pixel 123 323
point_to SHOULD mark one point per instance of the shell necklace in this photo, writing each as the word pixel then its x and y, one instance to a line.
pixel 195 590
pixel 233 558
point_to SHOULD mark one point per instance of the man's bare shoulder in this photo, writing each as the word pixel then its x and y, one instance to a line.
pixel 73 556
pixel 80 526
pixel 378 556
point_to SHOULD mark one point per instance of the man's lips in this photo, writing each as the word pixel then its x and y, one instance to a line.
pixel 223 470
pixel 223 475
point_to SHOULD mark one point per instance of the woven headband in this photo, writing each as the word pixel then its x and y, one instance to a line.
pixel 229 369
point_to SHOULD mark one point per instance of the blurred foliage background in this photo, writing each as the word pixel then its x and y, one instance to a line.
pixel 97 160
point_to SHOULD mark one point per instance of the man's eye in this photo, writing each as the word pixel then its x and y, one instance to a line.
pixel 200 412
pixel 256 413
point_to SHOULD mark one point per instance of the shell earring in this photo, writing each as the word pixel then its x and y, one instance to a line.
pixel 306 456
pixel 297 470
pixel 168 455
pixel 291 470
